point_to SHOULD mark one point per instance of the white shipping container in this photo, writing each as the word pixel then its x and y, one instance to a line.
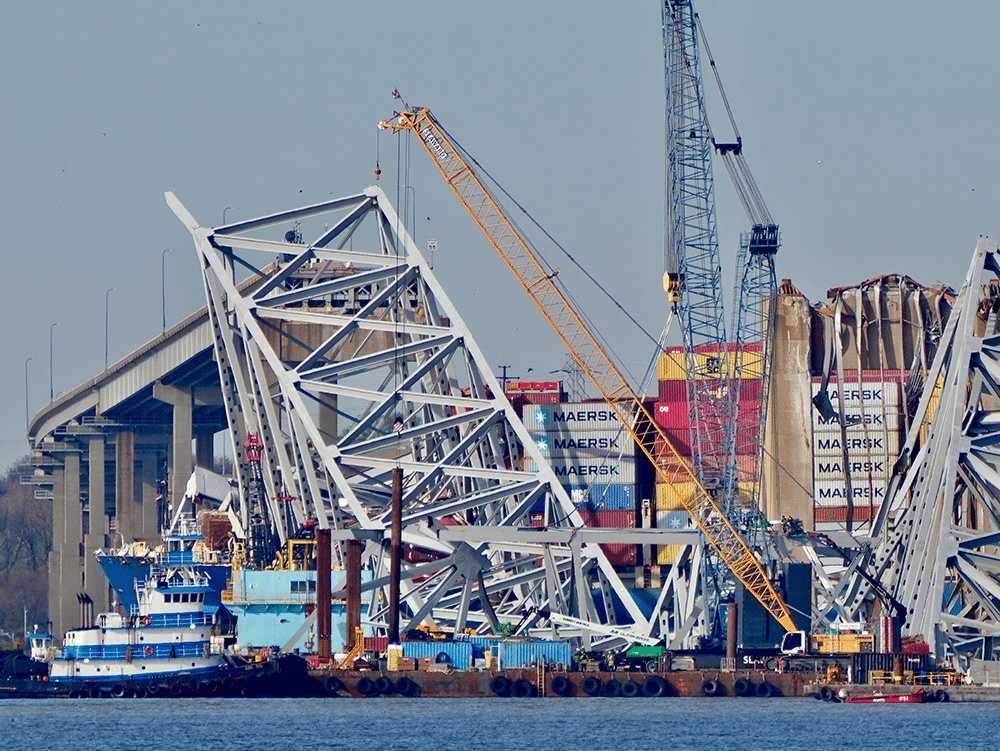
pixel 674 520
pixel 834 492
pixel 576 471
pixel 859 394
pixel 868 419
pixel 874 443
pixel 585 443
pixel 859 467
pixel 571 417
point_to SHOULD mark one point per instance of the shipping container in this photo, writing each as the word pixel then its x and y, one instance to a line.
pixel 676 391
pixel 876 443
pixel 603 497
pixel 620 554
pixel 672 415
pixel 671 362
pixel 680 495
pixel 586 444
pixel 672 468
pixel 572 471
pixel 570 417
pixel 610 519
pixel 680 440
pixel 862 468
pixel 676 521
pixel 862 665
pixel 863 420
pixel 666 555
pixel 861 513
pixel 458 653
pixel 834 492
pixel 856 394
pixel 532 653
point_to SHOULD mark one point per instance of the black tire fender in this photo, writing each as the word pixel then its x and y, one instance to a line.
pixel 366 686
pixel 384 685
pixel 500 685
pixel 406 687
pixel 560 685
pixel 826 693
pixel 654 686
pixel 631 689
pixel 766 690
pixel 333 684
pixel 612 688
pixel 711 687
pixel 521 689
pixel 942 695
pixel 743 687
pixel 592 685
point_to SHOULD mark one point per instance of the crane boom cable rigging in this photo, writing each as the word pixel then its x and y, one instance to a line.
pixel 548 296
pixel 468 157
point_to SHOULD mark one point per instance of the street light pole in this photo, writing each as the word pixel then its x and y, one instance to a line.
pixel 107 303
pixel 163 284
pixel 27 415
pixel 224 214
pixel 52 391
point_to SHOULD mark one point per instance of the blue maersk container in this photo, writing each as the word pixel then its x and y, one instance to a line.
pixel 458 653
pixel 528 654
pixel 603 497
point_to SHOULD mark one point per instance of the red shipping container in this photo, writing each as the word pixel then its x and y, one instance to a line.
pixel 679 439
pixel 620 554
pixel 622 519
pixel 672 391
pixel 671 415
pixel 839 513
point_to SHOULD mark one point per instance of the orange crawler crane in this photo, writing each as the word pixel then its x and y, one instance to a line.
pixel 457 170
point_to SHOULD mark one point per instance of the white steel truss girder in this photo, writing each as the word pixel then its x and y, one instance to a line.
pixel 939 525
pixel 352 363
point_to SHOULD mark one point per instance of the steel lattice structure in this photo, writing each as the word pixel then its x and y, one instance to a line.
pixel 395 380
pixel 939 526
pixel 691 248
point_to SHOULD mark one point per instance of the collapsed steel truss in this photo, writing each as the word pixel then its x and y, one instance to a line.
pixel 395 379
pixel 935 550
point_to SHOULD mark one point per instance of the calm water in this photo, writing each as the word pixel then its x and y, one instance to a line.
pixel 508 724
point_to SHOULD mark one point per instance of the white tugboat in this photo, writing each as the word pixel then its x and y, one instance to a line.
pixel 166 635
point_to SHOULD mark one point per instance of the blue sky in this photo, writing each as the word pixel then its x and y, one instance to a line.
pixel 868 126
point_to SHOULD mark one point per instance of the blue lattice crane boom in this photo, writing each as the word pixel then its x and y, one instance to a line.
pixel 693 275
pixel 753 319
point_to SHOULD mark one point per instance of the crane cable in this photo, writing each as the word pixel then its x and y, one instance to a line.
pixel 576 263
pixel 732 156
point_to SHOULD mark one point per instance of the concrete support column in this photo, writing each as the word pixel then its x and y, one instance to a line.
pixel 789 434
pixel 328 424
pixel 96 487
pixel 95 583
pixel 55 592
pixel 125 505
pixel 72 507
pixel 149 526
pixel 204 449
pixel 180 464
pixel 66 493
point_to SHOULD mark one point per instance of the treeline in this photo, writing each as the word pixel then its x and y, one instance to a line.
pixel 25 541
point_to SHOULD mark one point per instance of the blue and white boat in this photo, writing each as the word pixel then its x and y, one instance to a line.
pixel 166 634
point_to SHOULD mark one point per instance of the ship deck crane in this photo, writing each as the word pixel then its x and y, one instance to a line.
pixel 542 286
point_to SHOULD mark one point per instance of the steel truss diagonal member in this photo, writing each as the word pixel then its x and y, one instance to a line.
pixel 351 362
pixel 940 521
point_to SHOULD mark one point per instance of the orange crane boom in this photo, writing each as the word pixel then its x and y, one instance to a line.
pixel 541 286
